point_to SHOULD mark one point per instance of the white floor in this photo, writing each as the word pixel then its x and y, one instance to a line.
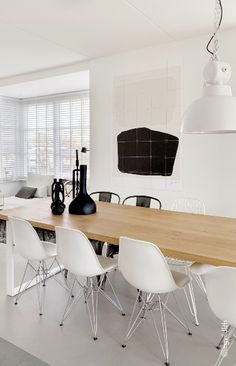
pixel 72 344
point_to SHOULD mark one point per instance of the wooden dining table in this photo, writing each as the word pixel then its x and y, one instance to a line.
pixel 194 237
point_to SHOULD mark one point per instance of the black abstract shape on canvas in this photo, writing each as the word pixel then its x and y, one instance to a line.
pixel 146 152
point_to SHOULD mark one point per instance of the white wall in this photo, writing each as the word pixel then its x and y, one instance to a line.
pixel 208 162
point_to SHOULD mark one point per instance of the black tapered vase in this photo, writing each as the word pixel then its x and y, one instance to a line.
pixel 82 204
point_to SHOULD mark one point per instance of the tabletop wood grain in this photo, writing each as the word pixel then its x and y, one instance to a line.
pixel 202 238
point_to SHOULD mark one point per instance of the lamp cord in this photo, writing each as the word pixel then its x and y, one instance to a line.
pixel 214 52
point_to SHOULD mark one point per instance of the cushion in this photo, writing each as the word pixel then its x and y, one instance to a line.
pixel 26 192
pixel 41 192
pixel 39 180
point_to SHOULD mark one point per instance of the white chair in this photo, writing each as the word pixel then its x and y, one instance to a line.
pixel 220 289
pixel 77 255
pixel 144 267
pixel 195 206
pixel 29 246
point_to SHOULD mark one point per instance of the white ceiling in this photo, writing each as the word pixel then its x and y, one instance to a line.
pixel 39 34
pixel 53 85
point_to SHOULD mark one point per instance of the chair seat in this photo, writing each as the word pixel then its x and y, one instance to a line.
pixel 178 262
pixel 181 279
pixel 200 268
pixel 108 264
pixel 50 248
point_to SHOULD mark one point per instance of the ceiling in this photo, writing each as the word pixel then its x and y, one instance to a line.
pixel 40 34
pixel 47 86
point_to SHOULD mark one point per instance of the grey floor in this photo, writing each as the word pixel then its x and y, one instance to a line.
pixel 11 355
pixel 72 344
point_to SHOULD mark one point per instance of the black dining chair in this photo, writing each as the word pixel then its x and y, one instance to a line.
pixel 106 196
pixel 143 201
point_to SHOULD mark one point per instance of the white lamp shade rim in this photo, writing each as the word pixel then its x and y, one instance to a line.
pixel 210 114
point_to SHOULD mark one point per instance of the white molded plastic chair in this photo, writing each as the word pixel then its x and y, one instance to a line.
pixel 144 267
pixel 29 246
pixel 77 255
pixel 195 206
pixel 220 289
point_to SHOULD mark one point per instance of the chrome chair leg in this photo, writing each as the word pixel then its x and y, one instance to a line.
pixel 40 282
pixel 134 323
pixel 116 301
pixel 21 284
pixel 91 290
pixel 227 344
pixel 22 290
pixel 183 323
pixel 222 339
pixel 200 282
pixel 164 331
pixel 93 312
pixel 150 303
pixel 191 302
pixel 70 303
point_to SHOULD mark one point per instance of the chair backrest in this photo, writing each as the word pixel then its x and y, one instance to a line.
pixel 190 205
pixel 76 253
pixel 220 288
pixel 144 266
pixel 26 240
pixel 143 201
pixel 105 196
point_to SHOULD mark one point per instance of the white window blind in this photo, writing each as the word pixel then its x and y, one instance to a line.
pixel 53 129
pixel 10 151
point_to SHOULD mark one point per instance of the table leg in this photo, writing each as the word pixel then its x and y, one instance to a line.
pixel 9 261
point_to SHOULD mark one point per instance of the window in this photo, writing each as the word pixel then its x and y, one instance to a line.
pixel 53 129
pixel 10 152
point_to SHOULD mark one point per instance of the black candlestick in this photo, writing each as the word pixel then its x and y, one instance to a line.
pixel 75 176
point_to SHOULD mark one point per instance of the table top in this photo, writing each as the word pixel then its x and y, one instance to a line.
pixel 202 238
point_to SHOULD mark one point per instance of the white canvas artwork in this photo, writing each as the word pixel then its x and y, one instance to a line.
pixel 150 99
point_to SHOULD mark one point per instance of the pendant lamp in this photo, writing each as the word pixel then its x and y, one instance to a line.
pixel 215 111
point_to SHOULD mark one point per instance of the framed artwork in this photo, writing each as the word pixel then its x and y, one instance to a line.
pixel 146 125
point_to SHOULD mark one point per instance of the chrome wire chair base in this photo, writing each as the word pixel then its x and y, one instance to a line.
pixel 190 298
pixel 222 338
pixel 199 282
pixel 150 303
pixel 183 266
pixel 41 274
pixel 90 290
pixel 225 344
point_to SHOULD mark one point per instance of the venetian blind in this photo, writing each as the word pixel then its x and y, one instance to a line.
pixel 10 144
pixel 54 128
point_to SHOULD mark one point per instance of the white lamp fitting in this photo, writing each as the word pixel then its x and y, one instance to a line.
pixel 215 111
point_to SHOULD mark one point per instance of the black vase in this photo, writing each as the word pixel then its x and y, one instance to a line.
pixel 82 204
pixel 58 197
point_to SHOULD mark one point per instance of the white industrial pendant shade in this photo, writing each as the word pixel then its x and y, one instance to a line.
pixel 215 111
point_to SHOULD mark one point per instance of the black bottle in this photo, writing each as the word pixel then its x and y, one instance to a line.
pixel 82 204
